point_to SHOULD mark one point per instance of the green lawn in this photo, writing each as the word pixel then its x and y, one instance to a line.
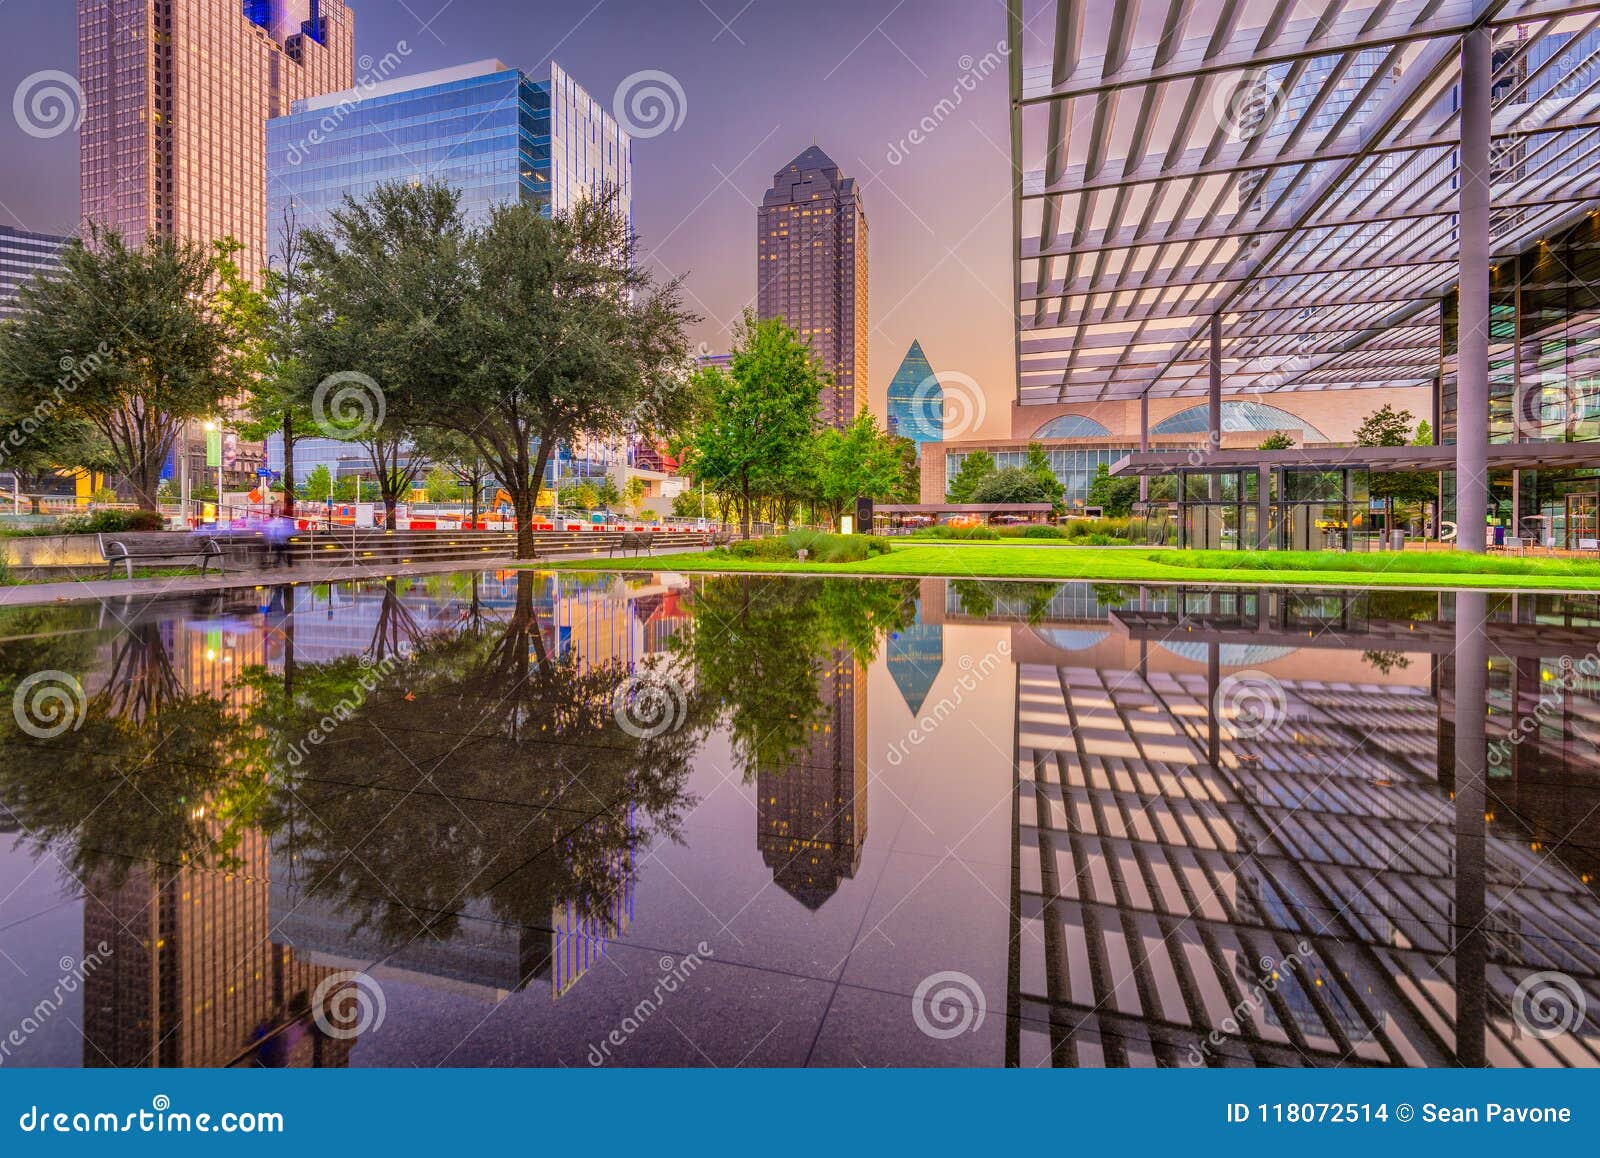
pixel 1293 568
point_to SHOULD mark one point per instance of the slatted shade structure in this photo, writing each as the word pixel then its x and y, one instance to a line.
pixel 1279 179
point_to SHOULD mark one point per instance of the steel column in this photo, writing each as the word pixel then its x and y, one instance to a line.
pixel 1472 362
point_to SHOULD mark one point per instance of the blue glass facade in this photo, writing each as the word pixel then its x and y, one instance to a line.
pixel 488 130
pixel 916 400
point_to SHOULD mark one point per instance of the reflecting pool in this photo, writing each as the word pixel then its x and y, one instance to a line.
pixel 514 818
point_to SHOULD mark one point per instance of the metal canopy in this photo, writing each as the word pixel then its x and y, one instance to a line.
pixel 1431 459
pixel 1290 166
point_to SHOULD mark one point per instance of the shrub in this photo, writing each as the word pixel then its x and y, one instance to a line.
pixel 104 523
pixel 818 545
pixel 1039 531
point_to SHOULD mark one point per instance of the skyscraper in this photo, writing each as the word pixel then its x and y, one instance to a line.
pixel 811 256
pixel 177 95
pixel 22 255
pixel 916 400
pixel 486 129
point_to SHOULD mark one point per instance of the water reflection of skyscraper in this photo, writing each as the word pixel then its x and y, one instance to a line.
pixel 194 976
pixel 811 812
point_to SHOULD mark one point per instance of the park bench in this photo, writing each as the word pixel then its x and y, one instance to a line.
pixel 159 545
pixel 634 541
pixel 719 538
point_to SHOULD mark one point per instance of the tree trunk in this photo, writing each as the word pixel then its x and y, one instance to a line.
pixel 288 465
pixel 524 496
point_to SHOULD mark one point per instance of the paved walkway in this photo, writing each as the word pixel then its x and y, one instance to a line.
pixel 67 591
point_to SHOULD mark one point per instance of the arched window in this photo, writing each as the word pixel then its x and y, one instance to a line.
pixel 1238 416
pixel 1072 426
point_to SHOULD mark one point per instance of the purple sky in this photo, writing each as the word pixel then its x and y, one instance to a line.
pixel 761 80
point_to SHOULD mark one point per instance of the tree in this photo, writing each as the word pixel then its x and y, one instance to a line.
pixel 442 485
pixel 859 461
pixel 1037 463
pixel 633 496
pixel 380 334
pixel 318 485
pixel 689 505
pixel 975 467
pixel 565 336
pixel 1014 484
pixel 1114 496
pixel 757 417
pixel 908 489
pixel 281 400
pixel 460 458
pixel 1278 441
pixel 1387 426
pixel 137 341
pixel 606 493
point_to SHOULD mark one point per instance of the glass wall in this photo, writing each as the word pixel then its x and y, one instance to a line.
pixel 1075 466
pixel 1544 378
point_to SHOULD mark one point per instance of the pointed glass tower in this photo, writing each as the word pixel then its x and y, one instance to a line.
pixel 916 400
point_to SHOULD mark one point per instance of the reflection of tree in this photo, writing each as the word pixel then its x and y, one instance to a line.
pixel 396 630
pixel 983 598
pixel 1386 662
pixel 151 773
pixel 486 770
pixel 758 645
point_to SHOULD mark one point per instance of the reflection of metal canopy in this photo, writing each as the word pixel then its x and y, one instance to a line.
pixel 1289 169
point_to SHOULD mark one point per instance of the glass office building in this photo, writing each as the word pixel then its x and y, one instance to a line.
pixel 493 132
pixel 916 400
pixel 23 255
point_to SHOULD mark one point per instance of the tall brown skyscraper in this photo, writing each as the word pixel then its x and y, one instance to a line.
pixel 811 246
pixel 177 95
